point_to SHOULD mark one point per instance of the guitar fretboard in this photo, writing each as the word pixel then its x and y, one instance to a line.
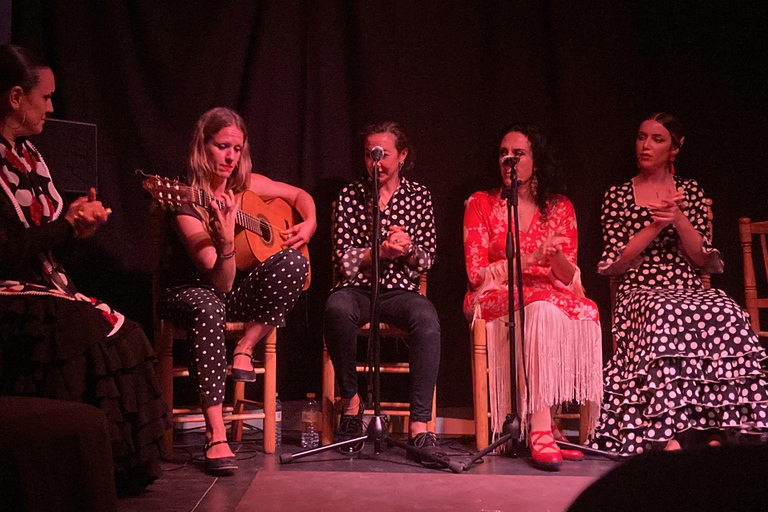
pixel 242 219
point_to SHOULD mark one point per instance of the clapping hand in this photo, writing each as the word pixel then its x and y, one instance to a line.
pixel 669 211
pixel 397 244
pixel 86 214
pixel 551 246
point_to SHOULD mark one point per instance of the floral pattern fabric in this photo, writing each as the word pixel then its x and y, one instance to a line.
pixel 485 232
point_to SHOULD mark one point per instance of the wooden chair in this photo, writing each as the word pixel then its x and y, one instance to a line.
pixel 747 231
pixel 481 396
pixel 401 409
pixel 166 333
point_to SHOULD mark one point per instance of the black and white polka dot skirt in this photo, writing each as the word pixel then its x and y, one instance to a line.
pixel 685 359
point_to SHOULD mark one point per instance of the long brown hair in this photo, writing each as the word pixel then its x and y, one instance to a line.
pixel 206 128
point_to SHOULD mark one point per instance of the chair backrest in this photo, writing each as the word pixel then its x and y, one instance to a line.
pixel 747 231
pixel 705 277
pixel 423 284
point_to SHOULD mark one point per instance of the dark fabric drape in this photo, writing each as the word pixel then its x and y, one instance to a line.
pixel 307 75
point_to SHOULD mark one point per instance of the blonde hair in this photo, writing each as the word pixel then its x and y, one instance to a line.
pixel 206 128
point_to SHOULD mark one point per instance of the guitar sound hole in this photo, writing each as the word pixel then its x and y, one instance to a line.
pixel 266 233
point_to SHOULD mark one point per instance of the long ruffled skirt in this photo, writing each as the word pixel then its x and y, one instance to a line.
pixel 685 359
pixel 57 348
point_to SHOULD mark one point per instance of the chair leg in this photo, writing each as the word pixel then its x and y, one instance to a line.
pixel 238 397
pixel 584 421
pixel 480 387
pixel 329 391
pixel 164 353
pixel 270 391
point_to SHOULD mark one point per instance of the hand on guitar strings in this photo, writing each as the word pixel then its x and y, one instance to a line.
pixel 86 214
pixel 222 223
pixel 397 244
pixel 298 235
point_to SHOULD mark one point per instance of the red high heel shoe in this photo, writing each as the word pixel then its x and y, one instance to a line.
pixel 548 461
pixel 567 454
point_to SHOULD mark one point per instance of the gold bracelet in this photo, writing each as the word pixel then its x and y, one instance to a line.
pixel 227 256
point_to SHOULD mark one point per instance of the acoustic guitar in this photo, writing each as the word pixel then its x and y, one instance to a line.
pixel 258 222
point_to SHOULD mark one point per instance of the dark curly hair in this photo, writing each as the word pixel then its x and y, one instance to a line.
pixel 401 140
pixel 546 168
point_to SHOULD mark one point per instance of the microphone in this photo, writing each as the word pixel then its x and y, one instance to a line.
pixel 510 161
pixel 377 153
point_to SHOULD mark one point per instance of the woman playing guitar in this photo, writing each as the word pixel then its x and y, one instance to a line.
pixel 204 286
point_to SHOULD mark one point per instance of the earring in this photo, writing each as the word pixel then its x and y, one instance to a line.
pixel 534 185
pixel 672 164
pixel 400 166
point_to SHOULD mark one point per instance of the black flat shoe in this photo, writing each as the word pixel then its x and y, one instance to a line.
pixel 220 466
pixel 350 427
pixel 242 375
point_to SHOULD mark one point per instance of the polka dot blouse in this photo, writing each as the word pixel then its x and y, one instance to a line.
pixel 410 207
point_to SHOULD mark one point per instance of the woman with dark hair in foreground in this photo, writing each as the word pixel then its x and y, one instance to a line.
pixel 54 341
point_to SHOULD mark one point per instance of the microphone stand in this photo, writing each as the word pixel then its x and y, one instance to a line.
pixel 377 428
pixel 512 427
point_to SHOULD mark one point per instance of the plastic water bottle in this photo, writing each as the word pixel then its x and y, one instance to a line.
pixel 278 421
pixel 310 423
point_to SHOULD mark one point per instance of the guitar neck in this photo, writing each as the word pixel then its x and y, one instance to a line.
pixel 242 219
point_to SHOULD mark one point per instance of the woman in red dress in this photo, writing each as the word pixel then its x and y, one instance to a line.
pixel 562 328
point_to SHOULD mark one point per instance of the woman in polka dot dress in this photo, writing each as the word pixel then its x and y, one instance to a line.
pixel 686 358
pixel 205 287
pixel 562 327
pixel 408 251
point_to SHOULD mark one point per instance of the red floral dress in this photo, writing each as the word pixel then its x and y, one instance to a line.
pixel 485 232
pixel 562 354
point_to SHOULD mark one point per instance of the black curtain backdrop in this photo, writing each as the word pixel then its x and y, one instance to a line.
pixel 306 76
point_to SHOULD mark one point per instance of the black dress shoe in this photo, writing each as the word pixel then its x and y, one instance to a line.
pixel 220 466
pixel 242 375
pixel 426 441
pixel 350 427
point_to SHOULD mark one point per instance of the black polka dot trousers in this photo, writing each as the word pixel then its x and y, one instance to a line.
pixel 266 295
pixel 348 308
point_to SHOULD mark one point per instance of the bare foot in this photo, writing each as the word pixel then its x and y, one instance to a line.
pixel 672 446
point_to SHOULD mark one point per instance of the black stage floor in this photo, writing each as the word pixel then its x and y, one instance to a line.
pixel 332 481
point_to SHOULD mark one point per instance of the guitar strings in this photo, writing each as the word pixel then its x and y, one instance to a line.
pixel 247 216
